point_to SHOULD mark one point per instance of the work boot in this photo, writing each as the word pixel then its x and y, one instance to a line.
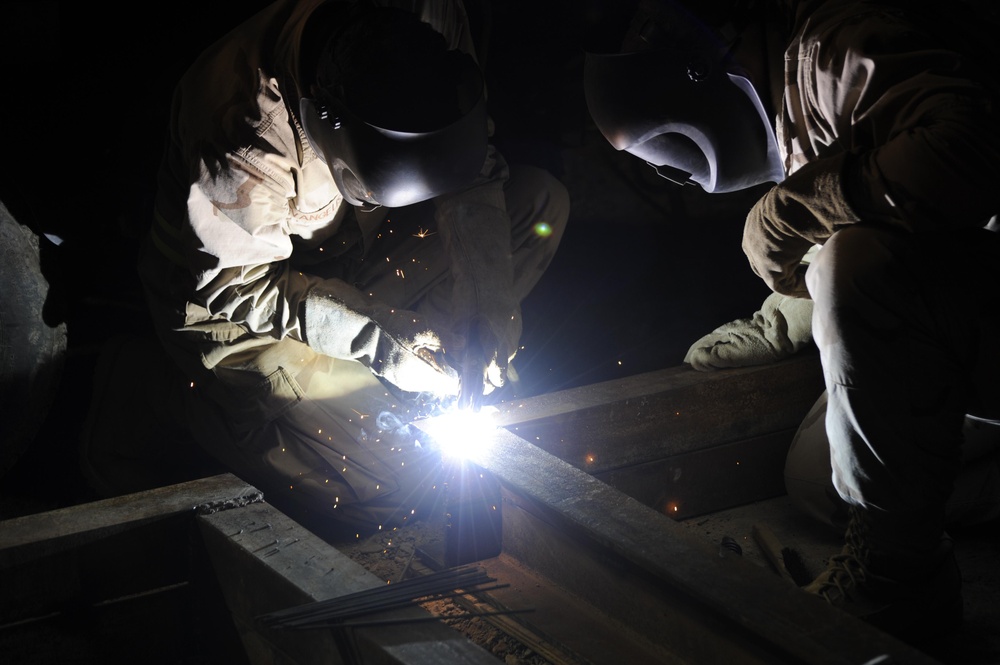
pixel 915 598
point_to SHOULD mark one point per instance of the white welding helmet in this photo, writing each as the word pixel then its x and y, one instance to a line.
pixel 397 163
pixel 681 107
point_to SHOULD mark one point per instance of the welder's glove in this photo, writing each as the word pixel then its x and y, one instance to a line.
pixel 804 210
pixel 394 344
pixel 486 314
pixel 781 327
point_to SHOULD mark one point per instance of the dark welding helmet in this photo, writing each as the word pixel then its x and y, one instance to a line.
pixel 684 111
pixel 395 163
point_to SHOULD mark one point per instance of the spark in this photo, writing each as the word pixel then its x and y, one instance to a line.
pixel 422 233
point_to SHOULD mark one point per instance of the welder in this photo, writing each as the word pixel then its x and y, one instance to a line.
pixel 339 249
pixel 872 128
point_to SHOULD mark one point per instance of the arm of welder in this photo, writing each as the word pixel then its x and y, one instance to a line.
pixel 486 315
pixel 244 277
pixel 337 320
pixel 920 140
pixel 398 345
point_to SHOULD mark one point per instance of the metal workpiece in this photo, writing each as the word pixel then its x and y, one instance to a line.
pixel 267 562
pixel 34 536
pixel 682 441
pixel 664 413
pixel 656 581
pixel 180 574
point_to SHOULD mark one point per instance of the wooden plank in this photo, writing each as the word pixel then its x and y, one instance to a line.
pixel 674 411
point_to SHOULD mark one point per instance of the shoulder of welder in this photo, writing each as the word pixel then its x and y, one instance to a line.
pixel 228 106
pixel 965 27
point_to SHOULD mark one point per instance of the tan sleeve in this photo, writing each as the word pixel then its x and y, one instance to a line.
pixel 239 253
pixel 917 116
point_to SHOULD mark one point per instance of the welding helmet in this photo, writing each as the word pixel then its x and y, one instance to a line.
pixel 394 160
pixel 682 106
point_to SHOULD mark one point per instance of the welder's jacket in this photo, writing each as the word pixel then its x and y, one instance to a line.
pixel 244 202
pixel 900 105
pixel 883 114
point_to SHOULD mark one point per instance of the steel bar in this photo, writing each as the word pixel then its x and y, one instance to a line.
pixel 377 599
pixel 644 570
pixel 652 416
pixel 679 440
pixel 304 570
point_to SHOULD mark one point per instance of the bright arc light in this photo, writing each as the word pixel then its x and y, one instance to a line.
pixel 463 434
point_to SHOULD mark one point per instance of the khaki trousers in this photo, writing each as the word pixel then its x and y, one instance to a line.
pixel 906 327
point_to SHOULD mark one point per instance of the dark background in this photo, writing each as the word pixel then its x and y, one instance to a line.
pixel 645 268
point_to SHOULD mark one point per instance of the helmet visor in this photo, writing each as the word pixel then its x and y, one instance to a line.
pixel 393 166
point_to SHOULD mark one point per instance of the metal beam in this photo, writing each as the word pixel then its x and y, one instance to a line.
pixel 652 416
pixel 136 551
pixel 644 571
pixel 267 562
pixel 682 441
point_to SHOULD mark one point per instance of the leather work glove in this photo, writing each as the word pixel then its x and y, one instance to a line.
pixel 781 327
pixel 806 209
pixel 486 314
pixel 395 344
pixel 483 366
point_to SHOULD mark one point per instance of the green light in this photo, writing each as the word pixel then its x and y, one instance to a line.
pixel 543 230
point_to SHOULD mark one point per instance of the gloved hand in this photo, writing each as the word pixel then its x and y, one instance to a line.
pixel 486 315
pixel 804 210
pixel 395 344
pixel 781 327
pixel 484 363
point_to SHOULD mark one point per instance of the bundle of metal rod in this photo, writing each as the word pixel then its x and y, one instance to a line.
pixel 336 611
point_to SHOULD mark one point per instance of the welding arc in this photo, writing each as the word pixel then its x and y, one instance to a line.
pixel 327 613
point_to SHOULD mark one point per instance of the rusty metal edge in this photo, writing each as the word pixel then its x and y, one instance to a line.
pixel 647 417
pixel 801 627
pixel 265 561
pixel 31 536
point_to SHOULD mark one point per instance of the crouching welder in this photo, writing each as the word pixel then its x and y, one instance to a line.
pixel 338 249
pixel 876 238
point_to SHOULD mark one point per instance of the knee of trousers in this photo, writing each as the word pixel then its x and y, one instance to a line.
pixel 858 277
pixel 857 255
